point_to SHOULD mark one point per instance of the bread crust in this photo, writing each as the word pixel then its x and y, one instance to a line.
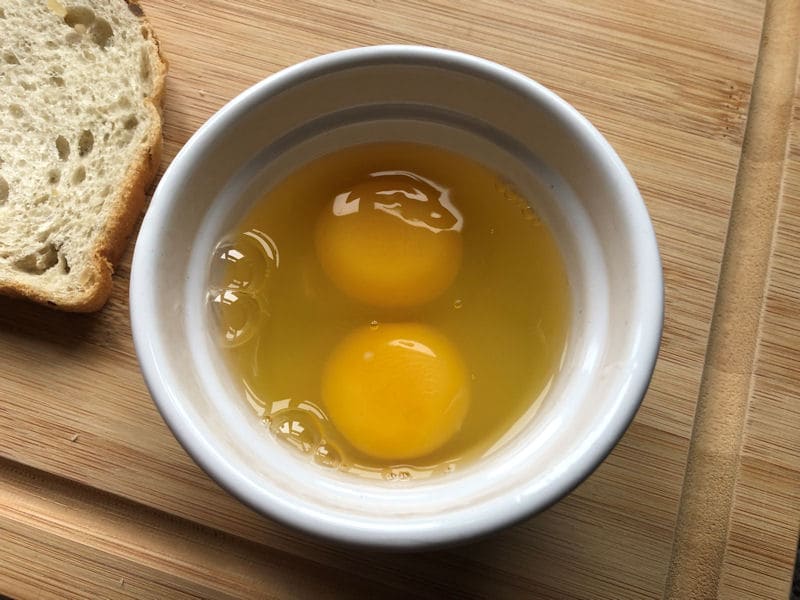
pixel 127 204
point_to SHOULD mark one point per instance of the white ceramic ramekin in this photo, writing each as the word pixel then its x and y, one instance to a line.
pixel 530 136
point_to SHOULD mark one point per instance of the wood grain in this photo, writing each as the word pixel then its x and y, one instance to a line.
pixel 100 546
pixel 98 500
pixel 765 516
pixel 736 328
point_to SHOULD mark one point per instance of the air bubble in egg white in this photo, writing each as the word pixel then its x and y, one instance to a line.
pixel 297 428
pixel 396 474
pixel 237 314
pixel 327 456
pixel 244 262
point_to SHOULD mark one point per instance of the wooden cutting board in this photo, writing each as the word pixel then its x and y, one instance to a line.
pixel 98 500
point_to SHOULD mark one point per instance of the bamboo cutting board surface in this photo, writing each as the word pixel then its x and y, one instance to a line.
pixel 98 500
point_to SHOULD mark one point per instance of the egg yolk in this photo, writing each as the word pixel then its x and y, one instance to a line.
pixel 392 240
pixel 396 392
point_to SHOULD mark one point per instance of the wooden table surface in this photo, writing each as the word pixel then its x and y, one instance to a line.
pixel 701 498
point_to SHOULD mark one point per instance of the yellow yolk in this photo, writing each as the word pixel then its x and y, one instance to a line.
pixel 396 392
pixel 393 240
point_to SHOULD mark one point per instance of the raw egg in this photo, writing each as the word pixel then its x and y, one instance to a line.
pixel 391 309
pixel 396 391
pixel 392 240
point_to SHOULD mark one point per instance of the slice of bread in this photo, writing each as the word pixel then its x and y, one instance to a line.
pixel 81 85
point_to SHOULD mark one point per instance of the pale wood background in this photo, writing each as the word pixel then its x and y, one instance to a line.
pixel 98 500
pixel 764 516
